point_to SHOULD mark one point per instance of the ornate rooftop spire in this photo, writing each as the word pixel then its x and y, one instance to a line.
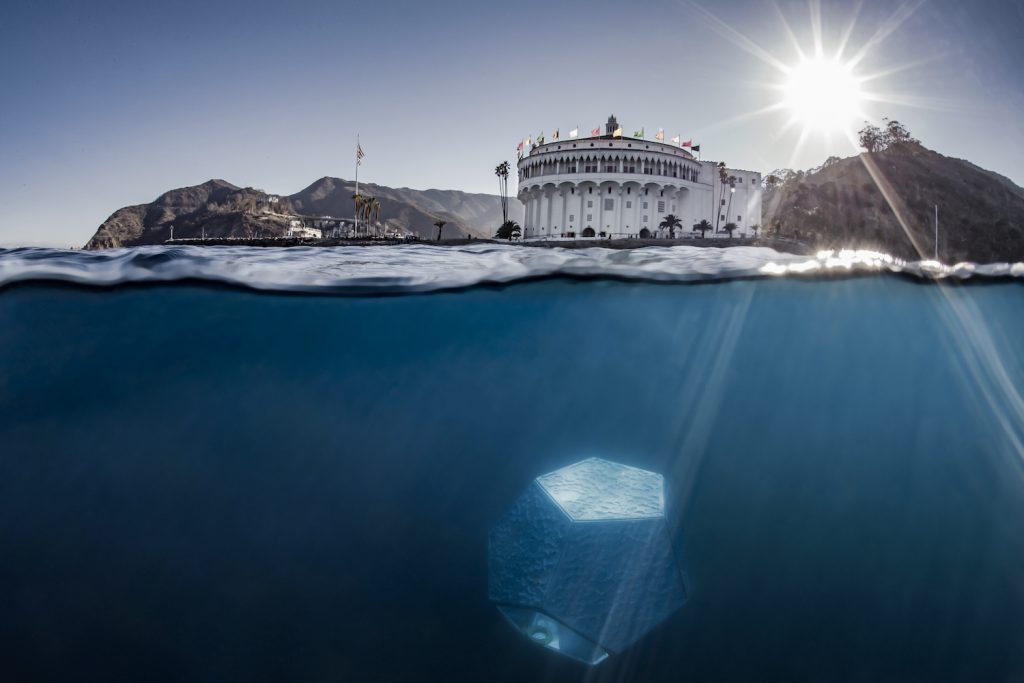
pixel 611 126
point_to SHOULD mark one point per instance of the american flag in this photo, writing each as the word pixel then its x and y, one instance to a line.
pixel 359 154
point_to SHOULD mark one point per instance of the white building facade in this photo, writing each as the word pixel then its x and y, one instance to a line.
pixel 618 187
pixel 297 229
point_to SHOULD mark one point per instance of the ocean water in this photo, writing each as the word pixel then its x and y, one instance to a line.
pixel 233 464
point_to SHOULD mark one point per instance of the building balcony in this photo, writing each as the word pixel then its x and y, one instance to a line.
pixel 602 177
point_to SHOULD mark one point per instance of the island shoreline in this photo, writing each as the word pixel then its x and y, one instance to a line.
pixel 778 244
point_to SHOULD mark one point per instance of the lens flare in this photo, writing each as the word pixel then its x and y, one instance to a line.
pixel 823 94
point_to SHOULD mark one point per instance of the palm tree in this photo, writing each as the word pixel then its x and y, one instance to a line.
pixel 440 226
pixel 755 227
pixel 360 202
pixel 723 178
pixel 502 171
pixel 703 226
pixel 373 212
pixel 729 227
pixel 670 223
pixel 507 230
pixel 732 191
pixel 367 208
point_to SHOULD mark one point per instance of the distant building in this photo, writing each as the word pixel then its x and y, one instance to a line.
pixel 623 187
pixel 297 229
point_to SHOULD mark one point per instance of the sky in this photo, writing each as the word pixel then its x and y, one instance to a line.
pixel 108 104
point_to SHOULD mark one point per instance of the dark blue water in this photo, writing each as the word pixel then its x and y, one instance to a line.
pixel 207 484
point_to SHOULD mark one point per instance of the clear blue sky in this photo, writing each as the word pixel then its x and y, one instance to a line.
pixel 107 104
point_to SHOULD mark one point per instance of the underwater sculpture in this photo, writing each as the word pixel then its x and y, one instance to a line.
pixel 583 563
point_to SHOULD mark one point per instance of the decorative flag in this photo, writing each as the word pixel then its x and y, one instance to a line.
pixel 359 154
pixel 660 135
pixel 696 148
pixel 688 143
pixel 555 136
pixel 638 133
pixel 575 132
pixel 676 139
pixel 617 133
pixel 540 138
pixel 519 150
pixel 596 131
pixel 529 141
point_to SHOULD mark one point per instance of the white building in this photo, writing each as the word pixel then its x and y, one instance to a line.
pixel 623 187
pixel 297 229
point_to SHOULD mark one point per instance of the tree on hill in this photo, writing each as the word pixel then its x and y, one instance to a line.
pixel 508 230
pixel 670 223
pixel 897 134
pixel 703 226
pixel 871 137
pixel 439 224
pixel 875 139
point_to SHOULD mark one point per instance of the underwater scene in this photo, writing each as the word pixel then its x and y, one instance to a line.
pixel 370 464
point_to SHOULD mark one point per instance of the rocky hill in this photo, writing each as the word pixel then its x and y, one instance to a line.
pixel 216 206
pixel 415 210
pixel 219 209
pixel 886 201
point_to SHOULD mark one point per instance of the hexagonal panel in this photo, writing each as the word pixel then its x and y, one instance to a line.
pixel 596 489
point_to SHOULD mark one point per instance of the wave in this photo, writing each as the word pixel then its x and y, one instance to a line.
pixel 422 268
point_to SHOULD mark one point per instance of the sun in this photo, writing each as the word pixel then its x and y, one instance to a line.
pixel 823 95
pixel 825 91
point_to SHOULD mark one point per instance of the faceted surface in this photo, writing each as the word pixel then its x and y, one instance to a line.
pixel 615 581
pixel 596 489
pixel 524 548
pixel 591 579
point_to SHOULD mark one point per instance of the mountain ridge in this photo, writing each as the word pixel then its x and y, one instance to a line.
pixel 218 208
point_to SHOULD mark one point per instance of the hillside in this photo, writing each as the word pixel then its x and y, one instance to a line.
pixel 415 210
pixel 862 201
pixel 217 208
pixel 216 205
